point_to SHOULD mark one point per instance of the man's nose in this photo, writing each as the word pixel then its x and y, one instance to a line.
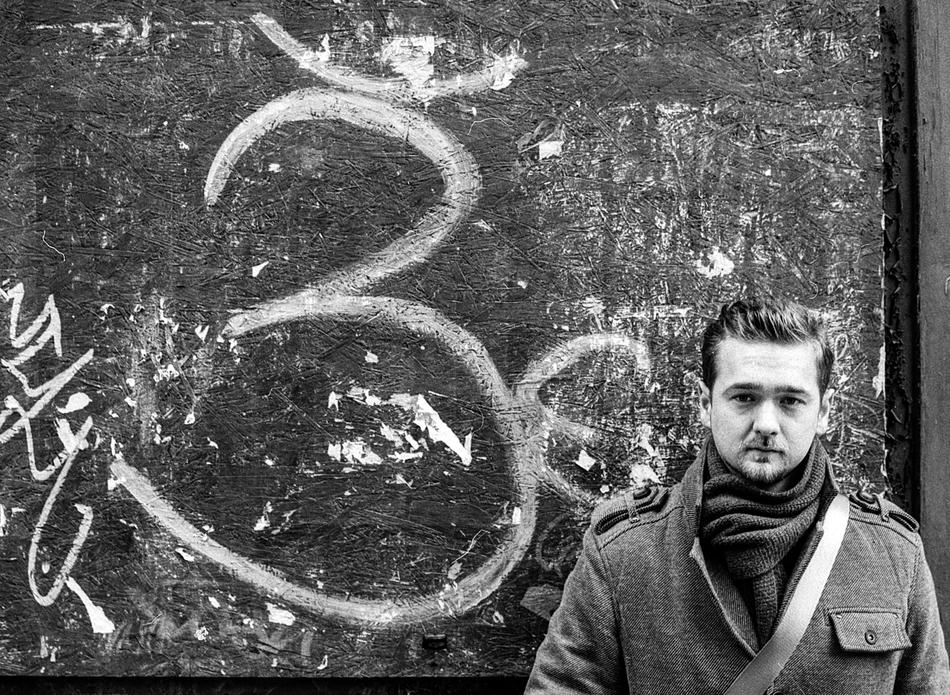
pixel 766 419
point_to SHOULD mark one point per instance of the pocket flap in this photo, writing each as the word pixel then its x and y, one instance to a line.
pixel 869 631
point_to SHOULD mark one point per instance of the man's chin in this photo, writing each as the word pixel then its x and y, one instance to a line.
pixel 763 470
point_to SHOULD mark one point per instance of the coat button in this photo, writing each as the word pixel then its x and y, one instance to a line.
pixel 870 637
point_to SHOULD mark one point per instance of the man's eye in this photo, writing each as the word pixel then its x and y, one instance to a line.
pixel 743 398
pixel 792 402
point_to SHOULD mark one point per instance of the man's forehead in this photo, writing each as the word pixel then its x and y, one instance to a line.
pixel 792 366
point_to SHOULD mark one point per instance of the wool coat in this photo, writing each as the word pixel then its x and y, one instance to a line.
pixel 645 612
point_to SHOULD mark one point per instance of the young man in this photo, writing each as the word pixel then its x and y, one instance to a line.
pixel 677 590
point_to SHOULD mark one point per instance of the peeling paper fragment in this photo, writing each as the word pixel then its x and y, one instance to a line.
pixel 503 69
pixel 214 602
pixel 278 615
pixel 879 379
pixel 185 555
pixel 361 395
pixel 390 434
pixel 256 270
pixel 264 521
pixel 549 148
pixel 585 460
pixel 101 625
pixel 357 451
pixel 371 357
pixel 642 475
pixel 644 432
pixel 333 401
pixel 324 663
pixel 516 516
pixel 405 456
pixel 455 570
pixel 77 401
pixel 400 480
pixel 428 420
pixel 202 332
pixel 335 451
pixel 3 521
pixel 719 264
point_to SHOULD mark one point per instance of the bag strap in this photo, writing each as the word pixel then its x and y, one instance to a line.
pixel 759 673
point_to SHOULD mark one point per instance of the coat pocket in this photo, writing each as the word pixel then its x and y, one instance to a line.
pixel 869 631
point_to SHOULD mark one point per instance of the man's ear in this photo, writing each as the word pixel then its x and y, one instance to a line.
pixel 824 411
pixel 705 405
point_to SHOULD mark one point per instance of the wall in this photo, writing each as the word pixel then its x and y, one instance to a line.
pixel 329 323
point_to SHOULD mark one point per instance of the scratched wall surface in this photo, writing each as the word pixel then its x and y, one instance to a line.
pixel 326 324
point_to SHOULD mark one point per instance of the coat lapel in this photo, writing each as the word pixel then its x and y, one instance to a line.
pixel 721 587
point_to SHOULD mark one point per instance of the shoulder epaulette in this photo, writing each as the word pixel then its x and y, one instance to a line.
pixel 634 505
pixel 887 511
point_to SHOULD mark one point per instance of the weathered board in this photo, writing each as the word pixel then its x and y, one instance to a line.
pixel 326 324
pixel 931 21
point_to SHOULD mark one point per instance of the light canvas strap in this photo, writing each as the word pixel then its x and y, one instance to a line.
pixel 758 675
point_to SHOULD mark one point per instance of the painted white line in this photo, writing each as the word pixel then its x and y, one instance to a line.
pixel 458 168
pixel 553 363
pixel 522 453
pixel 50 596
pixel 497 76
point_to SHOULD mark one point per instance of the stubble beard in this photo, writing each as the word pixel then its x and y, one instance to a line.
pixel 762 473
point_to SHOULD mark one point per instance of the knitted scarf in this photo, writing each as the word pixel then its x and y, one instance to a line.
pixel 755 531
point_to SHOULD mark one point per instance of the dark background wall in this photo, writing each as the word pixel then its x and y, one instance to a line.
pixel 532 253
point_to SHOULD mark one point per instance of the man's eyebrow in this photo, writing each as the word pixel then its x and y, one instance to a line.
pixel 756 386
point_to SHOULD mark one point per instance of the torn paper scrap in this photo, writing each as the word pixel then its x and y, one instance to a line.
pixel 428 420
pixel 357 452
pixel 642 475
pixel 281 616
pixel 256 270
pixel 585 460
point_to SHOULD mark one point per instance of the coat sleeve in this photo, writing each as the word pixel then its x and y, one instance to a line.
pixel 924 669
pixel 581 652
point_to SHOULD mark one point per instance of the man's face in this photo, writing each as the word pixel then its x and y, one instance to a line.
pixel 765 409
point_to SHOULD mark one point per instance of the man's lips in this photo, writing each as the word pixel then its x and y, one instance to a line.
pixel 764 449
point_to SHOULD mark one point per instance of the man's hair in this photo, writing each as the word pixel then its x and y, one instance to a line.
pixel 758 319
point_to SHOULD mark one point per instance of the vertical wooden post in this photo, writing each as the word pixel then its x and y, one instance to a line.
pixel 900 282
pixel 932 41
